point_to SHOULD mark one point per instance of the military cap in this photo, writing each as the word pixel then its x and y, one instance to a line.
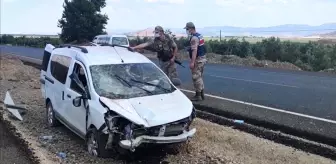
pixel 189 25
pixel 158 28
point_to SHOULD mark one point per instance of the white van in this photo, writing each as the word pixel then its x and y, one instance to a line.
pixel 112 39
pixel 114 98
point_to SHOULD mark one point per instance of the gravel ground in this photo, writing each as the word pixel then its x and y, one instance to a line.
pixel 212 144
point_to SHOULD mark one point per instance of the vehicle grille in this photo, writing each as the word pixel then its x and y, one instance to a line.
pixel 172 129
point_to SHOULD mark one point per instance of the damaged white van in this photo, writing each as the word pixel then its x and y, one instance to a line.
pixel 114 98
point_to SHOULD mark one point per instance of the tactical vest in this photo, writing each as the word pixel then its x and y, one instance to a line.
pixel 164 48
pixel 201 47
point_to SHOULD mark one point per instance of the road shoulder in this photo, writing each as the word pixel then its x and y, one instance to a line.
pixel 305 128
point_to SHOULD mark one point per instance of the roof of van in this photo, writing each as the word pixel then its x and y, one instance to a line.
pixel 100 55
pixel 113 35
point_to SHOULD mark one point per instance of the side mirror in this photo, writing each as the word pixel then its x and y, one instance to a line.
pixel 176 81
pixel 77 101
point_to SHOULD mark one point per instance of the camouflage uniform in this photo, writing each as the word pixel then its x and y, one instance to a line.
pixel 197 43
pixel 168 68
pixel 164 49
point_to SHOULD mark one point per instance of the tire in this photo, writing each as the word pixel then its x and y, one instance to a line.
pixel 51 119
pixel 95 144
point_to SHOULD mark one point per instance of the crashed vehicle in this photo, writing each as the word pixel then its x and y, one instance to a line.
pixel 114 98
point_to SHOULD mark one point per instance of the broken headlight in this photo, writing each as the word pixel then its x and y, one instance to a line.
pixel 191 118
pixel 193 113
pixel 132 131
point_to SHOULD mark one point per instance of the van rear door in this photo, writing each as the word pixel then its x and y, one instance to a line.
pixel 44 68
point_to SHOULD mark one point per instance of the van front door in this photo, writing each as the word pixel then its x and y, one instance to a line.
pixel 77 115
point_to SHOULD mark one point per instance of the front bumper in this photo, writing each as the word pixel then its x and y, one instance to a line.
pixel 132 144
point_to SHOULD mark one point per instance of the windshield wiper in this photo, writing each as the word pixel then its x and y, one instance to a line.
pixel 142 82
pixel 129 85
pixel 123 80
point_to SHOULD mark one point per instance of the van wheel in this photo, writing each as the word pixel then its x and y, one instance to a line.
pixel 51 119
pixel 95 143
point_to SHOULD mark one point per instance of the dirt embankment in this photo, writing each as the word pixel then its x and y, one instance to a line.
pixel 235 60
pixel 212 144
pixel 11 150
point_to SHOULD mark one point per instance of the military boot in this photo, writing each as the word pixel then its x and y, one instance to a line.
pixel 197 97
pixel 202 94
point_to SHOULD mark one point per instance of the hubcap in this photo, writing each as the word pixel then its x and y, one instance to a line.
pixel 50 115
pixel 92 145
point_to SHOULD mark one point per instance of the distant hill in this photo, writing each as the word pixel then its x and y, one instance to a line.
pixel 288 30
pixel 329 34
pixel 149 32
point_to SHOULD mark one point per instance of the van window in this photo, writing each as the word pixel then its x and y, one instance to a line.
pixel 45 61
pixel 107 40
pixel 80 72
pixel 100 40
pixel 59 67
pixel 120 40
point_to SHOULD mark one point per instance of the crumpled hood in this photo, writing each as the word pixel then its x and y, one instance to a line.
pixel 152 110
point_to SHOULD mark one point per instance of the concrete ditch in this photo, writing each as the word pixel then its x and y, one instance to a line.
pixel 13 147
pixel 276 136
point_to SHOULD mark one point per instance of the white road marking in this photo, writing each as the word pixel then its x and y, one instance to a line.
pixel 265 107
pixel 246 103
pixel 252 81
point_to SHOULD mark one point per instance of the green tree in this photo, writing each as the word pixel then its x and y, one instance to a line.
pixel 170 33
pixel 82 20
pixel 7 39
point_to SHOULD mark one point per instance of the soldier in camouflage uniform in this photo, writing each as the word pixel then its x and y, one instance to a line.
pixel 197 60
pixel 166 49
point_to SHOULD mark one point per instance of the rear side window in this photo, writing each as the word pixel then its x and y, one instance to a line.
pixel 45 61
pixel 59 67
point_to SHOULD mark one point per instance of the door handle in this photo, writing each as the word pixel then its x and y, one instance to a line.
pixel 69 96
pixel 42 81
pixel 49 79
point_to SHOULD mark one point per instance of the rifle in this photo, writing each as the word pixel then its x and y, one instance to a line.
pixel 179 63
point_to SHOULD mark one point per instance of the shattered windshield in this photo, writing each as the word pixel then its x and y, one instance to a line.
pixel 122 81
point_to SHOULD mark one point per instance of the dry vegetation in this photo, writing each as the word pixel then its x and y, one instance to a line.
pixel 213 143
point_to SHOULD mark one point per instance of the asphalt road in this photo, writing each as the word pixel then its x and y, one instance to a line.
pixel 301 92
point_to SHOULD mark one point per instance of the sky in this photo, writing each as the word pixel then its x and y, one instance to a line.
pixel 41 16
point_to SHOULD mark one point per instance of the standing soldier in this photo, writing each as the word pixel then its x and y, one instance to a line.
pixel 197 60
pixel 166 48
